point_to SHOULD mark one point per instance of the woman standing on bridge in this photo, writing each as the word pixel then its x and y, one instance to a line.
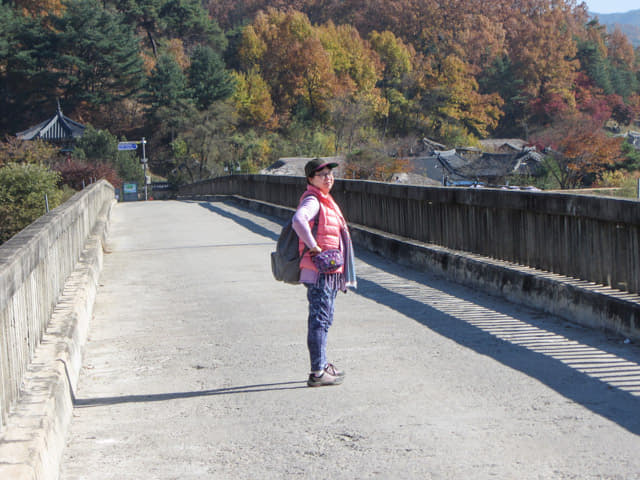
pixel 327 264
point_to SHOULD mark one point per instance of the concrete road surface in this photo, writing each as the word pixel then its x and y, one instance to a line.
pixel 196 367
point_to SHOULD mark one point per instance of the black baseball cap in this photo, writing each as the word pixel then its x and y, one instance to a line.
pixel 316 164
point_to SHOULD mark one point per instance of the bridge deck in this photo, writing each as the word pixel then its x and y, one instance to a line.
pixel 196 365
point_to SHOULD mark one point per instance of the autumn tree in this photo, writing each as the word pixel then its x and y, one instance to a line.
pixel 396 58
pixel 39 8
pixel 77 174
pixel 356 65
pixel 542 49
pixel 451 97
pixel 252 99
pixel 274 43
pixel 15 150
pixel 620 50
pixel 203 149
pixel 350 117
pixel 577 150
pixel 317 80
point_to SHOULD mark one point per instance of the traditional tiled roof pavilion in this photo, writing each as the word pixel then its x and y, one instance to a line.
pixel 58 129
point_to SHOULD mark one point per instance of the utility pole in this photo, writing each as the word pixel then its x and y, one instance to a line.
pixel 144 166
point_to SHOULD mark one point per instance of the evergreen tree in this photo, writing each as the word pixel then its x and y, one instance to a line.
pixel 167 85
pixel 208 78
pixel 96 145
pixel 500 78
pixel 595 65
pixel 145 15
pixel 170 104
pixel 27 76
pixel 623 81
pixel 187 20
pixel 97 54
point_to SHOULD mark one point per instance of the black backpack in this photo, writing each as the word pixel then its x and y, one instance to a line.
pixel 285 261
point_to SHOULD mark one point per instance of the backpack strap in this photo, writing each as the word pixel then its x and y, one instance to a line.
pixel 314 232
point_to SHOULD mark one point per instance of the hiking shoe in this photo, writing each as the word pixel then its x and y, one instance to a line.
pixel 331 369
pixel 323 380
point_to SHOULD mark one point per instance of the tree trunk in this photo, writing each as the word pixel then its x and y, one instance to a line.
pixel 153 43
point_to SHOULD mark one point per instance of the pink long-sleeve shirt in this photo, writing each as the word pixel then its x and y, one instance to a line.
pixel 307 211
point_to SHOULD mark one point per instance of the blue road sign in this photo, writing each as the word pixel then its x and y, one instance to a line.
pixel 127 146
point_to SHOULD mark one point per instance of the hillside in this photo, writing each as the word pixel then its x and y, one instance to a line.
pixel 226 86
pixel 629 23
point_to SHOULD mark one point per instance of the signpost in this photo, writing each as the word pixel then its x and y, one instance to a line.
pixel 144 167
pixel 134 146
pixel 127 145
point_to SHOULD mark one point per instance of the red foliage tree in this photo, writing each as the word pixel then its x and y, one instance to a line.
pixel 577 148
pixel 77 174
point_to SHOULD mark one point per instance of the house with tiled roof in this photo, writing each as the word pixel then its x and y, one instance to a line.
pixel 499 168
pixel 59 129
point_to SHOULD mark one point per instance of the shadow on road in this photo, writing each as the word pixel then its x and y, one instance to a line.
pixel 579 363
pixel 604 382
pixel 245 222
pixel 161 397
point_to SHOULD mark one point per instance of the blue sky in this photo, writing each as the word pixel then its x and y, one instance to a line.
pixel 612 6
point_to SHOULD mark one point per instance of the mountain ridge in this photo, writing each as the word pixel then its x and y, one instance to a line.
pixel 629 23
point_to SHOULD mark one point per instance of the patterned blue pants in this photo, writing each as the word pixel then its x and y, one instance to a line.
pixel 321 298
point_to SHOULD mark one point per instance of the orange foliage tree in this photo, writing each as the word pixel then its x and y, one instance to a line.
pixel 38 8
pixel 577 149
pixel 306 65
pixel 283 47
pixel 253 100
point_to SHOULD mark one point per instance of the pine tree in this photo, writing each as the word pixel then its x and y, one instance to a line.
pixel 208 77
pixel 97 54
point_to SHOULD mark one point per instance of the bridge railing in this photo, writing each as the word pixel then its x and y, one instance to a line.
pixel 589 238
pixel 34 265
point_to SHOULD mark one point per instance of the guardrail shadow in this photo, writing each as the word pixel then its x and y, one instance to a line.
pixel 245 222
pixel 584 365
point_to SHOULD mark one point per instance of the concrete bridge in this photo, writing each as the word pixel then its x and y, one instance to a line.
pixel 169 352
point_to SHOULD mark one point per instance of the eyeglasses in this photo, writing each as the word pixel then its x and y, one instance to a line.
pixel 325 175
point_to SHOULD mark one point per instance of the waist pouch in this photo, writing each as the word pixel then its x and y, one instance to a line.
pixel 328 260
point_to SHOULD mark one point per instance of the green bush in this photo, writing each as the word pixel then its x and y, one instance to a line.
pixel 22 196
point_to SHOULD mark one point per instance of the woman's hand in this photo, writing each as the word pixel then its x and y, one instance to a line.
pixel 315 250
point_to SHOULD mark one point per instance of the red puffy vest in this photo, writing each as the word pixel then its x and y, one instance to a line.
pixel 330 223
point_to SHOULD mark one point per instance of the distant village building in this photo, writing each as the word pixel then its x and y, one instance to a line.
pixel 59 130
pixel 503 145
pixel 294 166
pixel 439 166
pixel 432 164
pixel 634 139
pixel 466 167
pixel 429 146
pixel 499 168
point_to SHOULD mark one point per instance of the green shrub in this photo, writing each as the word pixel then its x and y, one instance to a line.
pixel 22 196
